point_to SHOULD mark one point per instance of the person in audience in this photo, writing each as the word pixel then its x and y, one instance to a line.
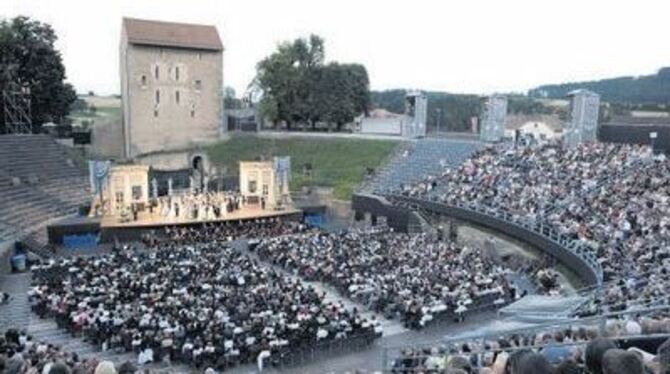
pixel 618 361
pixel 554 350
pixel 594 354
pixel 568 366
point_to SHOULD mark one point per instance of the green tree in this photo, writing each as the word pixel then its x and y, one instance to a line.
pixel 342 92
pixel 28 58
pixel 229 99
pixel 298 88
pixel 270 110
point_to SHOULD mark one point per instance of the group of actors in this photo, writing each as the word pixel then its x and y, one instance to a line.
pixel 202 206
pixel 206 206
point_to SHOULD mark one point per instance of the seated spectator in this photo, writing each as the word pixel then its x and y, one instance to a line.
pixel 555 352
pixel 617 361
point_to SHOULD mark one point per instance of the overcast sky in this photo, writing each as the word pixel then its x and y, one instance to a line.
pixel 472 46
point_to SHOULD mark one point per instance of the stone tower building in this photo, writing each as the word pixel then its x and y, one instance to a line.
pixel 171 85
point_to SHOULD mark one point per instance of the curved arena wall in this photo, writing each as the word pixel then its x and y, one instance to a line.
pixel 398 208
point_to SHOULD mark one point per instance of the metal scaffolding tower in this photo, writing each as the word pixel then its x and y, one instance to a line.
pixel 17 114
pixel 493 123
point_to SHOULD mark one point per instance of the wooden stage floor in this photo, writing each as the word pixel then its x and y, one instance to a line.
pixel 146 219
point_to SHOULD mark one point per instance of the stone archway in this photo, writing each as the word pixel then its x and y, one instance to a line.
pixel 199 167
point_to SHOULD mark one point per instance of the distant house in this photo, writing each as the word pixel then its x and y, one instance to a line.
pixel 380 121
pixel 243 119
pixel 541 126
pixel 411 124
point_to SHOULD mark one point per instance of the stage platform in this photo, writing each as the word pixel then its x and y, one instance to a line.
pixel 79 231
pixel 146 219
pixel 113 228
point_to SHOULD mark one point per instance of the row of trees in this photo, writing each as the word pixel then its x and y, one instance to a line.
pixel 298 87
pixel 28 58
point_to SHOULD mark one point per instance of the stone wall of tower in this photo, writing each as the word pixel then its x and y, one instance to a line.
pixel 171 97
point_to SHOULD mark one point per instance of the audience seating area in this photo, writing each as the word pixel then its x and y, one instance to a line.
pixel 196 301
pixel 623 220
pixel 38 182
pixel 418 158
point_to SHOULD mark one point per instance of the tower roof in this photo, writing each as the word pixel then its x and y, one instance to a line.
pixel 172 34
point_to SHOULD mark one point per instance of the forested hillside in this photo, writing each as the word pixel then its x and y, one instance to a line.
pixel 646 89
pixel 455 110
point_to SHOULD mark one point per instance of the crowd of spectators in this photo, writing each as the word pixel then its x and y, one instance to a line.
pixel 527 181
pixel 20 353
pixel 611 197
pixel 201 304
pixel 228 231
pixel 415 277
pixel 569 351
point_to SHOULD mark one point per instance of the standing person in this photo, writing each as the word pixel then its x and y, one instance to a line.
pixel 264 354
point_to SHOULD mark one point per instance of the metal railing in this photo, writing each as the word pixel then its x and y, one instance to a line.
pixel 292 356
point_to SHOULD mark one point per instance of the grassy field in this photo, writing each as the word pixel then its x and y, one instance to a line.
pixel 108 110
pixel 337 163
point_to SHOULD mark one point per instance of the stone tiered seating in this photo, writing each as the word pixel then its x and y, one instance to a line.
pixel 26 156
pixel 38 182
pixel 423 157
